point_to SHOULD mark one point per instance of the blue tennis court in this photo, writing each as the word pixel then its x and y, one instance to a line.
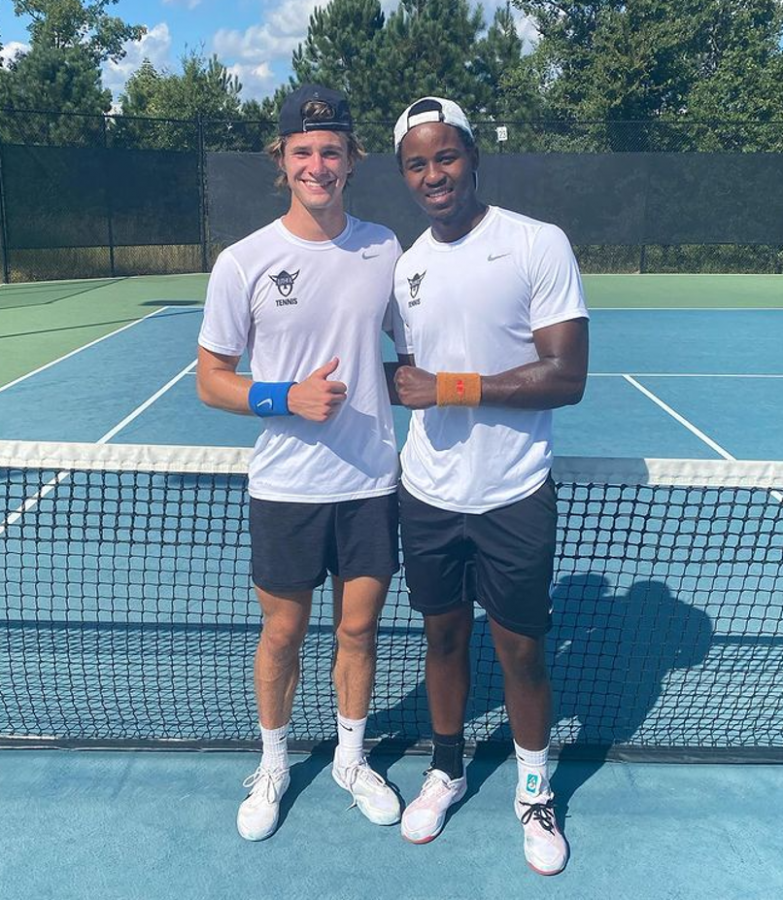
pixel 698 384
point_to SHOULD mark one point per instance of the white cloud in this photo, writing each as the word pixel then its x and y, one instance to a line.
pixel 10 51
pixel 155 46
pixel 257 81
pixel 188 4
pixel 527 31
pixel 251 54
pixel 526 28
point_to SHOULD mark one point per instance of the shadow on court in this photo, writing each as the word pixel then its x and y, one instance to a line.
pixel 610 655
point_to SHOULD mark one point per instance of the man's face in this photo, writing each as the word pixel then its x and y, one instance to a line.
pixel 317 168
pixel 438 170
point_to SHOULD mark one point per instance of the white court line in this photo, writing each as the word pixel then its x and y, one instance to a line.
pixel 690 426
pixel 146 405
pixel 80 349
pixel 58 479
pixel 675 375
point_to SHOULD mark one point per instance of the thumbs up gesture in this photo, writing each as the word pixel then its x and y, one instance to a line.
pixel 316 398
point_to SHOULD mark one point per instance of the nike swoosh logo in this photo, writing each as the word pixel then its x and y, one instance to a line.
pixel 366 255
pixel 264 404
pixel 346 727
pixel 493 256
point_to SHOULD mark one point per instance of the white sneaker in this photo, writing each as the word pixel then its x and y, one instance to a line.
pixel 423 819
pixel 258 813
pixel 546 850
pixel 370 792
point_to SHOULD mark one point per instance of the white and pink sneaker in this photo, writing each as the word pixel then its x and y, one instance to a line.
pixel 423 819
pixel 546 850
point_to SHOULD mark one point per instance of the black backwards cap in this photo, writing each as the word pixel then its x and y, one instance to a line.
pixel 293 120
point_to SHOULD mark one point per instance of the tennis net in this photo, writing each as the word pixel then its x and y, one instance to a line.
pixel 129 617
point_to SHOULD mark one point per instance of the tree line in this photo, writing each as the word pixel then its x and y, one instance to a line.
pixel 702 74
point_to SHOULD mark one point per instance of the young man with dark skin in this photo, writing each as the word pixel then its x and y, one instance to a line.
pixel 493 336
pixel 306 297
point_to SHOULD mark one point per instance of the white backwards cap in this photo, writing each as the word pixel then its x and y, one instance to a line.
pixel 430 109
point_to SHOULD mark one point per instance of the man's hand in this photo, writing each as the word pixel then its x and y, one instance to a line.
pixel 316 398
pixel 416 388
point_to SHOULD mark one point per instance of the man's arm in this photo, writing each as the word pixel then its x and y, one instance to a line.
pixel 219 385
pixel 316 398
pixel 556 379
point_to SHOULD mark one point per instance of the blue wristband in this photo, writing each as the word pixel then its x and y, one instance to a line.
pixel 270 398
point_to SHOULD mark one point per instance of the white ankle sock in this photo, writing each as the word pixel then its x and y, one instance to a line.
pixel 533 771
pixel 275 747
pixel 350 737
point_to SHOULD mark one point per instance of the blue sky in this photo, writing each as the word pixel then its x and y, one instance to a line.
pixel 254 38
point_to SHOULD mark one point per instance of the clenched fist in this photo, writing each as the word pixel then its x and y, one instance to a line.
pixel 415 387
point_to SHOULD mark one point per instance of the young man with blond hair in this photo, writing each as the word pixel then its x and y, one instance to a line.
pixel 306 297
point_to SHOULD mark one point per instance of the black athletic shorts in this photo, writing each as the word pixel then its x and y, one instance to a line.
pixel 503 559
pixel 295 545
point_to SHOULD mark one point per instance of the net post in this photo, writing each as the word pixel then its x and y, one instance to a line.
pixel 108 188
pixel 202 190
pixel 3 224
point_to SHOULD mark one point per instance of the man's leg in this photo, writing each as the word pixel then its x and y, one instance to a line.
pixel 276 675
pixel 528 697
pixel 447 673
pixel 357 605
pixel 447 668
pixel 276 670
pixel 528 693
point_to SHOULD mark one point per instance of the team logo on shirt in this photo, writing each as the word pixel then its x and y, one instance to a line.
pixel 285 284
pixel 415 284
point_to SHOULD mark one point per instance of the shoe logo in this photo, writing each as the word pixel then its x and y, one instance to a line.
pixel 264 404
pixel 415 283
pixel 366 255
pixel 493 256
pixel 532 783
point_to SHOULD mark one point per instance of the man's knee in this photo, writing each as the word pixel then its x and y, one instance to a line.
pixel 521 657
pixel 448 635
pixel 282 638
pixel 357 635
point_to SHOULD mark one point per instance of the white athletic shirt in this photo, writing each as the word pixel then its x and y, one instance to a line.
pixel 472 306
pixel 294 305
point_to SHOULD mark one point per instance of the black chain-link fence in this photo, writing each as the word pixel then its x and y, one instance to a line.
pixel 89 196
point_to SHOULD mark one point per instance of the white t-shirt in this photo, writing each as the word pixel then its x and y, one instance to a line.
pixel 472 306
pixel 294 305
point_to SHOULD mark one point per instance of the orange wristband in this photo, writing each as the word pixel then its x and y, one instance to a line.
pixel 458 388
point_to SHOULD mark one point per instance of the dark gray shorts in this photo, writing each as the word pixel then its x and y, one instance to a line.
pixel 503 559
pixel 295 545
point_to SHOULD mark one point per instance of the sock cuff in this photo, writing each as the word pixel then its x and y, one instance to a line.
pixel 351 723
pixel 448 740
pixel 532 757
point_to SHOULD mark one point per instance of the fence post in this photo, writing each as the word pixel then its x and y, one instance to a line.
pixel 108 188
pixel 202 191
pixel 3 225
